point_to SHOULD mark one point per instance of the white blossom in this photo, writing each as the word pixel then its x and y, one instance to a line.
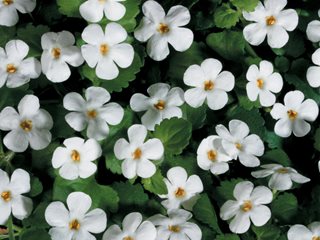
pixel 9 10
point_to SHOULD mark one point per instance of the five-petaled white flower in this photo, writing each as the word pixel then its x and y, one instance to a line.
pixel 176 226
pixel 106 49
pixel 163 103
pixel 182 190
pixel 132 228
pixel 93 10
pixel 282 177
pixel 11 198
pixel 271 21
pixel 211 155
pixel 313 30
pixel 249 205
pixel 93 112
pixel 8 10
pixel 209 84
pixel 301 232
pixel 137 153
pixel 58 50
pixel 30 125
pixel 263 82
pixel 76 158
pixel 238 143
pixel 160 29
pixel 292 116
pixel 313 72
pixel 14 68
pixel 76 222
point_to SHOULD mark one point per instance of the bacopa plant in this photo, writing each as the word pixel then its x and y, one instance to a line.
pixel 159 120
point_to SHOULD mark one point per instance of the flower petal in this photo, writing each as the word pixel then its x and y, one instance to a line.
pixel 309 110
pixel 20 181
pixel 299 232
pixel 97 96
pixel 131 222
pixel 277 37
pixel 93 34
pixel 254 33
pixel 145 168
pixel 95 221
pixel 9 119
pixel 28 105
pixel 217 99
pixel 115 33
pixel 153 11
pixel 129 168
pixel 178 16
pixel 122 149
pixel 224 81
pixel 122 54
pixel 138 102
pixel 280 182
pixel 16 141
pixel 313 76
pixel 9 16
pixel 301 128
pixel 313 31
pixel 195 97
pixel 114 10
pixel 157 47
pixel 17 49
pixel 78 203
pixel 177 176
pixel 260 215
pixel 92 10
pixel 151 118
pixel 57 215
pixel 97 129
pixel 21 207
pixel 180 38
pixel 240 223
pixel 106 69
pixel 243 190
pixel 194 76
pixel 288 19
pixel 261 195
pixel 153 149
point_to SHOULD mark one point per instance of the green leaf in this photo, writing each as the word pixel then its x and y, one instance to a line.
pixel 282 64
pixel 132 10
pixel 205 213
pixel 228 44
pixel 174 133
pixel 245 5
pixel 41 159
pixel 226 17
pixel 266 232
pixel 70 7
pixel 228 237
pixel 6 34
pixel 197 116
pixel 224 192
pixel 32 36
pixel 155 184
pixel 130 194
pixel 317 140
pixel 276 156
pixel 188 162
pixel 36 187
pixel 32 233
pixel 102 196
pixel 37 219
pixel 285 207
pixel 273 140
pixel 12 96
pixel 126 75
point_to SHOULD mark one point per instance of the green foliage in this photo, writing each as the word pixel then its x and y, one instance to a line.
pixel 6 34
pixel 226 17
pixel 266 232
pixel 36 187
pixel 276 156
pixel 70 7
pixel 246 5
pixel 228 237
pixel 31 233
pixel 224 192
pixel 197 116
pixel 317 140
pixel 228 44
pixel 174 133
pixel 285 207
pixel 130 194
pixel 155 184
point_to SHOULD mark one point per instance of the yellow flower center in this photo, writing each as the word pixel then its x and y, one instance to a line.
pixel 283 171
pixel 104 49
pixel 260 83
pixel 11 68
pixel 246 206
pixel 75 156
pixel 160 105
pixel 128 238
pixel 74 225
pixel 180 193
pixel 56 53
pixel 270 20
pixel 163 28
pixel 292 114
pixel 315 238
pixel 26 125
pixel 174 228
pixel 137 154
pixel 208 85
pixel 102 1
pixel 7 2
pixel 92 114
pixel 238 146
pixel 6 196
pixel 212 155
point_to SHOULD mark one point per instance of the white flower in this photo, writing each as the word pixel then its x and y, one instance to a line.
pixel 301 232
pixel 11 198
pixel 209 84
pixel 313 30
pixel 132 228
pixel 93 10
pixel 263 82
pixel 58 50
pixel 8 10
pixel 282 177
pixel 249 205
pixel 93 112
pixel 238 143
pixel 137 153
pixel 76 159
pixel 176 226
pixel 271 21
pixel 76 222
pixel 106 49
pixel 211 155
pixel 293 115
pixel 182 190
pixel 163 103
pixel 30 125
pixel 160 29
pixel 313 72
pixel 14 68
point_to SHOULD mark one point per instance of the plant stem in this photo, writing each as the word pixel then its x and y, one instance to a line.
pixel 10 228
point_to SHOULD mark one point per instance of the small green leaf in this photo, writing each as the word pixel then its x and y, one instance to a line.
pixel 6 34
pixel 224 192
pixel 36 187
pixel 32 233
pixel 130 194
pixel 70 7
pixel 205 213
pixel 245 5
pixel 174 133
pixel 317 140
pixel 228 44
pixel 226 17
pixel 266 232
pixel 276 156
pixel 228 237
pixel 197 116
pixel 155 184
pixel 285 207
